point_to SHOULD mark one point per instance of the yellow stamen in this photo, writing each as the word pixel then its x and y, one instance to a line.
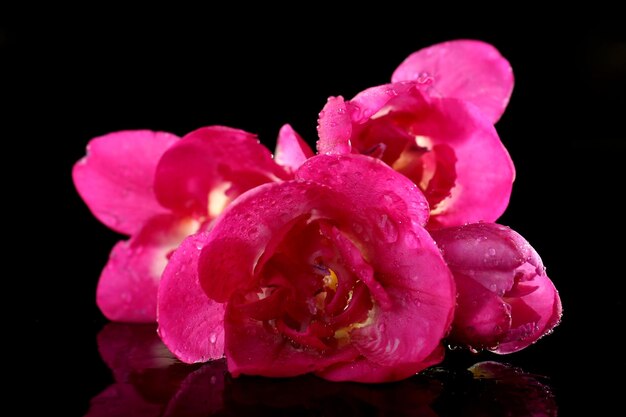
pixel 331 281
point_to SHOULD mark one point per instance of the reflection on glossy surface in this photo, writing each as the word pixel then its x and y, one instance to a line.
pixel 149 381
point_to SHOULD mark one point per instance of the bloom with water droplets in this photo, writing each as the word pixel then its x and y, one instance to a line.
pixel 434 124
pixel 505 299
pixel 331 273
pixel 159 189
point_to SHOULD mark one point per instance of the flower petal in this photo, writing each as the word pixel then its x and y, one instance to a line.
pixel 334 127
pixel 481 319
pixel 464 69
pixel 534 316
pixel 211 166
pixel 116 177
pixel 415 295
pixel 357 178
pixel 127 290
pixel 291 149
pixel 484 169
pixel 190 324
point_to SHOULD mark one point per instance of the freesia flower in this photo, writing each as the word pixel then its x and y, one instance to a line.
pixel 506 301
pixel 331 273
pixel 432 130
pixel 158 189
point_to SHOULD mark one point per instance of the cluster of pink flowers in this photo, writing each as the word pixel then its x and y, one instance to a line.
pixel 360 262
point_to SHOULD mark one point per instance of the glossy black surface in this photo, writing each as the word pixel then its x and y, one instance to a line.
pixel 68 79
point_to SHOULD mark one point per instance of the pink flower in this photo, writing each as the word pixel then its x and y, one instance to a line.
pixel 159 189
pixel 330 273
pixel 506 301
pixel 437 129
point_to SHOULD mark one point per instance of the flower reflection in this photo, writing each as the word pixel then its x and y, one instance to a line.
pixel 149 381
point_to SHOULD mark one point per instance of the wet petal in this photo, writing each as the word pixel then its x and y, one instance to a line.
pixel 481 319
pixel 357 178
pixel 127 290
pixel 291 149
pixel 334 127
pixel 190 324
pixel 483 169
pixel 116 177
pixel 464 69
pixel 534 316
pixel 243 233
pixel 211 166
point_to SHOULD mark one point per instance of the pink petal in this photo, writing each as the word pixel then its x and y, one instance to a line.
pixel 358 178
pixel 291 149
pixel 116 177
pixel 484 170
pixel 211 166
pixel 127 290
pixel 368 102
pixel 544 305
pixel 334 127
pixel 481 319
pixel 464 69
pixel 416 296
pixel 190 324
pixel 365 371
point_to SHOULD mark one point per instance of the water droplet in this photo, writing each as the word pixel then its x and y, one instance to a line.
pixel 388 228
pixel 213 338
pixel 198 245
pixel 493 287
pixel 412 241
pixel 333 124
pixel 341 110
pixel 321 114
pixel 213 380
pixel 424 78
pixel 357 227
pixel 491 251
pixel 391 92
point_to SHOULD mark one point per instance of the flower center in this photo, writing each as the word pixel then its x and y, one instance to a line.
pixel 308 294
pixel 393 139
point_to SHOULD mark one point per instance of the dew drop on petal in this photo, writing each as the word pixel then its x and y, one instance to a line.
pixel 411 240
pixel 213 338
pixel 388 228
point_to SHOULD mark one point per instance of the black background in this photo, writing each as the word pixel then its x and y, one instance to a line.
pixel 66 79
